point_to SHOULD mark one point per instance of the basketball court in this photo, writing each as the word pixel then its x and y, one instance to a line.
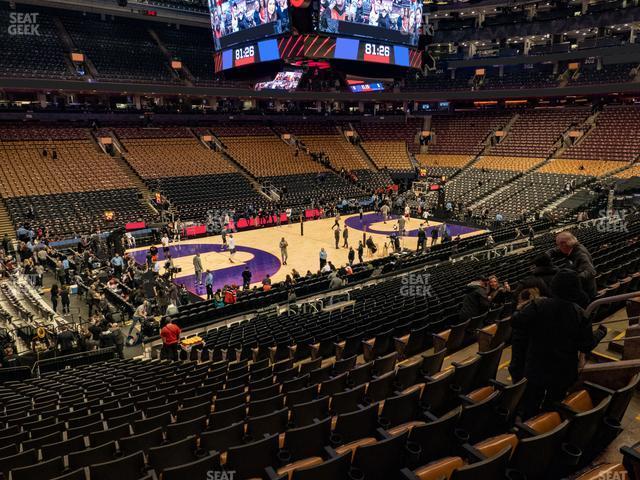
pixel 259 248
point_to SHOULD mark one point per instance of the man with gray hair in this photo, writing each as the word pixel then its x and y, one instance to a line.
pixel 578 259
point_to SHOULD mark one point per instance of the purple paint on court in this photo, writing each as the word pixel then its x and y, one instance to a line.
pixel 262 264
pixel 371 218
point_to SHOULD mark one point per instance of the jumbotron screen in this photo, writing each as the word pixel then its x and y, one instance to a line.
pixel 397 21
pixel 238 21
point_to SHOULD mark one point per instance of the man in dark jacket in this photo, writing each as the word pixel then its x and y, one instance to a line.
pixel 65 340
pixel 549 336
pixel 118 339
pixel 578 259
pixel 538 284
pixel 475 302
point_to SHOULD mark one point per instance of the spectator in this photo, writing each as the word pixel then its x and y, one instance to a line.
pixel 543 268
pixel 172 309
pixel 475 301
pixel 65 340
pixel 218 300
pixel 170 334
pixel 55 295
pixel 139 315
pixel 64 298
pixel 94 329
pixel 197 266
pixel 117 262
pixel 578 259
pixel 498 294
pixel 323 258
pixel 208 283
pixel 246 278
pixel 335 281
pixel 118 339
pixel 549 336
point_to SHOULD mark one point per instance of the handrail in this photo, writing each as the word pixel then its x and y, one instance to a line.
pixel 606 300
pixel 63 361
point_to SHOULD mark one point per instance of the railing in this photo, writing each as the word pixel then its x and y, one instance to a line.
pixel 593 306
pixel 14 374
pixel 68 361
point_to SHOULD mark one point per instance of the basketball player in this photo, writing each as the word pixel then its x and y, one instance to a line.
pixel 425 216
pixel 283 251
pixel 232 247
pixel 401 225
pixel 224 238
pixel 385 212
pixel 165 243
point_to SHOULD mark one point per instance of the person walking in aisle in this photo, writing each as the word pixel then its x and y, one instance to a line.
pixel 64 298
pixel 55 295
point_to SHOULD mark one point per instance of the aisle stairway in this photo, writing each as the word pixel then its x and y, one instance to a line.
pixel 6 225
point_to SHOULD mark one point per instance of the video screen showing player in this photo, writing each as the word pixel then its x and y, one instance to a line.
pixel 402 16
pixel 284 81
pixel 232 16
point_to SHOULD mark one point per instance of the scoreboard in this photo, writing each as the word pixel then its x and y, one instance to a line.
pixel 263 51
pixel 368 51
pixel 319 47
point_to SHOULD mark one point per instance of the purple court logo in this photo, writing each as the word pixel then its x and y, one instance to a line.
pixel 416 285
pixel 24 24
